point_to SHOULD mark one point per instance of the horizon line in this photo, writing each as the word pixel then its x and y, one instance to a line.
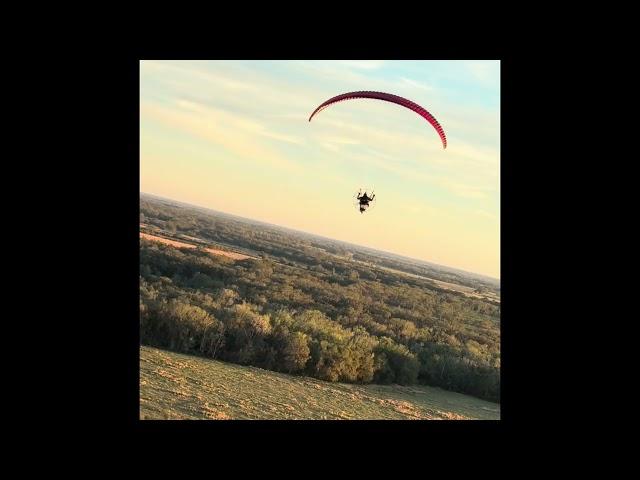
pixel 322 236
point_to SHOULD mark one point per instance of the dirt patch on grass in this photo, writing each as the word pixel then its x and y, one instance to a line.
pixel 177 244
pixel 233 255
pixel 166 241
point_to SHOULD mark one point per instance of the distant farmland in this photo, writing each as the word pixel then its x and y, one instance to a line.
pixel 181 387
pixel 177 244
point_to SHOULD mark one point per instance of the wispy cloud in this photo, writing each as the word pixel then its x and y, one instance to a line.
pixel 362 64
pixel 236 135
pixel 184 74
pixel 413 171
pixel 237 121
pixel 340 140
pixel 345 75
pixel 234 83
pixel 485 72
pixel 414 84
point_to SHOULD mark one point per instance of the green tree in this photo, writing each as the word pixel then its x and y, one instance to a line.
pixel 400 360
pixel 295 352
pixel 247 330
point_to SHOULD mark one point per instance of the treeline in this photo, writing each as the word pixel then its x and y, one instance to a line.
pixel 306 343
pixel 331 324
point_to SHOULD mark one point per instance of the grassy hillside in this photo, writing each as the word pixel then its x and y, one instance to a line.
pixel 176 386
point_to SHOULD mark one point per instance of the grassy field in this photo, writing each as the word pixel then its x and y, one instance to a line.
pixel 176 386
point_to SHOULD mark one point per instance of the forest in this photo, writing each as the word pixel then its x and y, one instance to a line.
pixel 304 306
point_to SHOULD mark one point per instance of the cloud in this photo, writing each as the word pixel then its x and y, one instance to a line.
pixel 230 119
pixel 362 64
pixel 464 127
pixel 341 140
pixel 484 71
pixel 236 135
pixel 483 158
pixel 411 152
pixel 330 146
pixel 185 73
pixel 340 76
pixel 412 83
pixel 209 82
pixel 416 171
pixel 372 130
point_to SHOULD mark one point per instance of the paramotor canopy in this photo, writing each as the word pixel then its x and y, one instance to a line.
pixel 387 97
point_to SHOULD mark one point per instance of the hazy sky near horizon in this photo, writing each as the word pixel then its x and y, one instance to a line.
pixel 234 136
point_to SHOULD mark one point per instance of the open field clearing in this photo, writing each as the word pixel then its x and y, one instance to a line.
pixel 177 244
pixel 166 241
pixel 181 387
pixel 468 291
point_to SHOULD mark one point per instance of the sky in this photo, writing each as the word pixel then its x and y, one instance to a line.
pixel 234 136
